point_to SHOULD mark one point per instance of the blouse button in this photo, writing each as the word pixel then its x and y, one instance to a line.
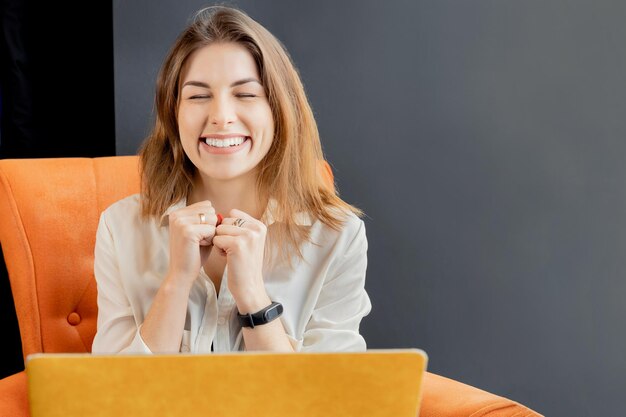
pixel 73 318
pixel 221 321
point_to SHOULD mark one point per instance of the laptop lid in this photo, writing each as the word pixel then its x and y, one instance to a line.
pixel 251 384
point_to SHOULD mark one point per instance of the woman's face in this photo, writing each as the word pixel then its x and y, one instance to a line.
pixel 224 117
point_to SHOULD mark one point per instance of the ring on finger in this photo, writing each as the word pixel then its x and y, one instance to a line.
pixel 239 222
pixel 202 218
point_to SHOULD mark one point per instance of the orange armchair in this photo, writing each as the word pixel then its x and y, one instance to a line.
pixel 49 211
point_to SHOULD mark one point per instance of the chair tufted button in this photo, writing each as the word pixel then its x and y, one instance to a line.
pixel 73 318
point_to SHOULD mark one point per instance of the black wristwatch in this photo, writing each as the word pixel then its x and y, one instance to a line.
pixel 269 313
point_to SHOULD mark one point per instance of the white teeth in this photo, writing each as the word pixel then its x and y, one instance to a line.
pixel 224 143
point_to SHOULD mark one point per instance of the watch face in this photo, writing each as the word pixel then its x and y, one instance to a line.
pixel 273 312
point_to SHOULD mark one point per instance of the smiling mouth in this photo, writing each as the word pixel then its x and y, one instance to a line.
pixel 224 143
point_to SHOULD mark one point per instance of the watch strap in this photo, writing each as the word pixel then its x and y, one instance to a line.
pixel 263 316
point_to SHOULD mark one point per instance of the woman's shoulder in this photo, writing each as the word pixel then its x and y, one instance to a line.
pixel 352 227
pixel 352 224
pixel 124 207
pixel 123 213
pixel 350 221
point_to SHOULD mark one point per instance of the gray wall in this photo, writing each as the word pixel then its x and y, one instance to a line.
pixel 485 141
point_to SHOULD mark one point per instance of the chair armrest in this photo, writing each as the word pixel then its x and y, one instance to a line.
pixel 14 396
pixel 443 397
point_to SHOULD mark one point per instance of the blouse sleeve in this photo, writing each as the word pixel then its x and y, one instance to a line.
pixel 117 330
pixel 343 301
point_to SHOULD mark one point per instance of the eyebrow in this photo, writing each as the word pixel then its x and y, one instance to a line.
pixel 235 84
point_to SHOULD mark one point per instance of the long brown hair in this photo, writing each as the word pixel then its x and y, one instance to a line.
pixel 289 172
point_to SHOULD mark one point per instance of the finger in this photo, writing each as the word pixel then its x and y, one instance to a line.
pixel 241 223
pixel 196 218
pixel 202 233
pixel 228 244
pixel 209 218
pixel 195 209
pixel 230 230
pixel 183 216
pixel 234 213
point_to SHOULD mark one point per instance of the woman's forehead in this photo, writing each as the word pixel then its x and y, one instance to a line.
pixel 220 63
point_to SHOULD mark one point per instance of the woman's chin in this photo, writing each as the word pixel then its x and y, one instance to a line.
pixel 222 175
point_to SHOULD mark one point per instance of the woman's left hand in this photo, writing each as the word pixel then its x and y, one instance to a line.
pixel 241 238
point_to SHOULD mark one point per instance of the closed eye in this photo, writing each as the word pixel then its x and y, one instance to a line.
pixel 246 95
pixel 199 97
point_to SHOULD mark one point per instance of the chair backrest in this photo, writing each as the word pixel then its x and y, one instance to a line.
pixel 49 212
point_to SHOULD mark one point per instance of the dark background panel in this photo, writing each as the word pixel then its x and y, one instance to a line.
pixel 56 80
pixel 484 140
pixel 12 361
pixel 56 100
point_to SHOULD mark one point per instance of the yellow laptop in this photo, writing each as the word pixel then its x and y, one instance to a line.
pixel 375 383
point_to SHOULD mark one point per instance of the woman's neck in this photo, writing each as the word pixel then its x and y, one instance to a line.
pixel 239 193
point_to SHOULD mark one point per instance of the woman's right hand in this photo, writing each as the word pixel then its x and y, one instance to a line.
pixel 191 240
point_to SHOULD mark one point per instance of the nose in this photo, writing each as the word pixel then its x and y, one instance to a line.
pixel 222 112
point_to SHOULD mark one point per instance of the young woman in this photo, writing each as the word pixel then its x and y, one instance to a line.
pixel 236 240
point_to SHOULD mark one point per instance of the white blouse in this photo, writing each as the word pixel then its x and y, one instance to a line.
pixel 324 298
